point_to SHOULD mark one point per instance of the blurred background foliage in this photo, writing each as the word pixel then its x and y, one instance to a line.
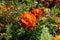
pixel 46 26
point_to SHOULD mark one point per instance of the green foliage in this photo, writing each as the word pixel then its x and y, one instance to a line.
pixel 35 34
pixel 45 35
pixel 9 32
pixel 13 32
pixel 55 10
pixel 40 33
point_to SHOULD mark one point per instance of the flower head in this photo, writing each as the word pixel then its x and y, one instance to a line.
pixel 37 12
pixel 27 20
pixel 57 37
pixel 3 8
pixel 58 25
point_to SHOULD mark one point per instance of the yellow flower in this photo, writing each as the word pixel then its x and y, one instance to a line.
pixel 45 10
pixel 1 6
pixel 16 19
pixel 57 19
pixel 56 37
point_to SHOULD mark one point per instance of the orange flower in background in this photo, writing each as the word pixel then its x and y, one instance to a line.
pixel 37 12
pixel 58 25
pixel 27 20
pixel 57 37
pixel 3 8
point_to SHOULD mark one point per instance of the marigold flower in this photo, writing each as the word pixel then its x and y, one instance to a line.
pixel 57 37
pixel 58 25
pixel 3 8
pixel 37 12
pixel 45 10
pixel 27 20
pixel 57 19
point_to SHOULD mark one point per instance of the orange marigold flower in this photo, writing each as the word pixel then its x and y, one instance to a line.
pixel 57 37
pixel 37 12
pixel 58 25
pixel 27 20
pixel 3 8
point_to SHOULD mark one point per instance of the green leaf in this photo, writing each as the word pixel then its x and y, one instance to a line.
pixel 45 34
pixel 8 32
